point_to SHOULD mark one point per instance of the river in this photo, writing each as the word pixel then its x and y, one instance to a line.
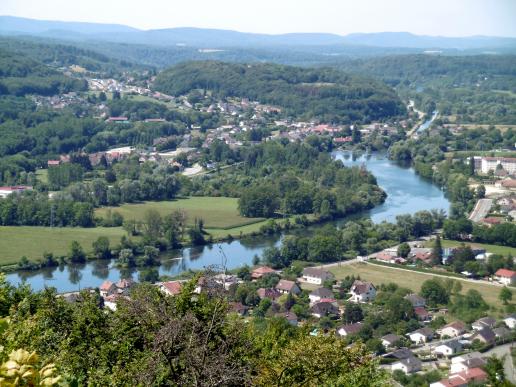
pixel 407 193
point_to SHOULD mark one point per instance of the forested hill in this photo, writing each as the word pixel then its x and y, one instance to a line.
pixel 20 75
pixel 324 94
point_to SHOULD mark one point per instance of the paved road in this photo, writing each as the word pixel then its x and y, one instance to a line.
pixel 504 350
pixel 481 210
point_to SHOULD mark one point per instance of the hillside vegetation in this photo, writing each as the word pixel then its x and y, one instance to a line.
pixel 324 94
pixel 21 75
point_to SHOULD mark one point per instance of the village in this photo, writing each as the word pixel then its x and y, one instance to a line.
pixel 458 350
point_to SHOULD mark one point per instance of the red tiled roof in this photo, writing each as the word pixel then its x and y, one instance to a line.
pixel 505 273
pixel 106 285
pixel 173 287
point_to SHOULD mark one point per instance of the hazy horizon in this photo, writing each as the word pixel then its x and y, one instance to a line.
pixel 459 18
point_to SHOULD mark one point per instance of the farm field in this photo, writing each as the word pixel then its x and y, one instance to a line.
pixel 17 241
pixel 216 212
pixel 412 280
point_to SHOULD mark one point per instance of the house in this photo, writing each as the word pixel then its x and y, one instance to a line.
pixel 484 322
pixel 465 356
pixel 390 339
pixel 259 272
pixel 291 317
pixel 415 300
pixel 124 285
pixel 510 321
pixel 287 287
pixel 349 329
pixel 270 293
pixel 319 294
pixel 238 307
pixel 362 291
pixel 226 280
pixel 448 348
pixel 110 301
pixel 505 276
pixel 6 191
pixel 171 288
pixel 502 333
pixel 463 379
pixel 107 288
pixel 316 276
pixel 421 335
pixel 453 329
pixel 422 314
pixel 484 335
pixel 402 353
pixel 408 365
pixel 473 362
pixel 322 309
pixel 53 163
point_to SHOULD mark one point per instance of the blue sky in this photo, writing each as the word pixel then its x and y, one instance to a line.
pixel 435 17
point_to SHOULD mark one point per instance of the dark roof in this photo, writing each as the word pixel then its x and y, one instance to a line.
pixel 502 332
pixel 411 362
pixel 425 331
pixel 414 299
pixel 391 338
pixel 351 328
pixel 486 333
pixel 361 287
pixel 318 273
pixel 324 308
pixel 285 285
pixel 268 293
pixel 486 322
pixel 322 292
pixel 401 353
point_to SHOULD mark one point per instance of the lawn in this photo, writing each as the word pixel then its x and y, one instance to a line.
pixel 216 212
pixel 495 249
pixel 42 175
pixel 411 280
pixel 32 242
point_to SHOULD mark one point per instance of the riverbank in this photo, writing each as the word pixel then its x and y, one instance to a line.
pixel 406 193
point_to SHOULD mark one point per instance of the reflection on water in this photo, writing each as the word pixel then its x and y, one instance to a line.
pixel 407 193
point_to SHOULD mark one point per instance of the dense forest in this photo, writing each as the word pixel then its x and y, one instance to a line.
pixel 324 94
pixel 468 89
pixel 21 75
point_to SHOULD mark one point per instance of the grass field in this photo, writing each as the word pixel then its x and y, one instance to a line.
pixel 32 242
pixel 413 280
pixel 216 212
pixel 42 175
pixel 495 249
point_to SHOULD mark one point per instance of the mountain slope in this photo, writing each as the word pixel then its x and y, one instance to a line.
pixel 323 94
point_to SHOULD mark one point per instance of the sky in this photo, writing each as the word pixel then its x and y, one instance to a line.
pixel 423 17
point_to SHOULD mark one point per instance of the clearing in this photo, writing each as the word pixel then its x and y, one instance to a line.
pixel 17 241
pixel 216 212
pixel 412 280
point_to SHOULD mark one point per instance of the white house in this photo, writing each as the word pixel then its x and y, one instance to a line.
pixel 349 329
pixel 6 191
pixel 453 329
pixel 510 321
pixel 422 335
pixel 465 365
pixel 316 276
pixel 408 366
pixel 484 322
pixel 448 348
pixel 390 339
pixel 320 293
pixel 505 276
pixel 362 291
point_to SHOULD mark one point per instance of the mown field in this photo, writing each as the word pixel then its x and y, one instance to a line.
pixel 32 242
pixel 411 280
pixel 216 212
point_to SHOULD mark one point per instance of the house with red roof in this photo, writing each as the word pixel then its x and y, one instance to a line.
pixel 107 288
pixel 261 271
pixel 171 288
pixel 505 276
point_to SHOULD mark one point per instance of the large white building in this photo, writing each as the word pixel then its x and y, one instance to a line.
pixel 491 163
pixel 6 191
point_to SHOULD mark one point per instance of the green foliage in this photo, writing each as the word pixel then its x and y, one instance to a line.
pixel 434 293
pixel 324 94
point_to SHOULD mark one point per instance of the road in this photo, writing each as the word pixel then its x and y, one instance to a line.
pixel 481 210
pixel 501 351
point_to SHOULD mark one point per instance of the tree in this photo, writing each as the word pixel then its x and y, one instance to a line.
pixel 101 248
pixel 22 370
pixel 437 251
pixel 505 295
pixel 404 250
pixel 152 225
pixel 434 292
pixel 481 191
pixel 352 313
pixel 495 371
pixel 76 254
